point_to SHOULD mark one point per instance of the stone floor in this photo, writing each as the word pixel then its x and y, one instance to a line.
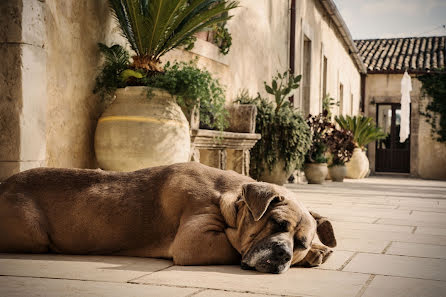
pixel 391 242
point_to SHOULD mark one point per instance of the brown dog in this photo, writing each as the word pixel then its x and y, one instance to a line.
pixel 191 213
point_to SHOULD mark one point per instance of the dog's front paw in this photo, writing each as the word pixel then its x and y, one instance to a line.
pixel 316 256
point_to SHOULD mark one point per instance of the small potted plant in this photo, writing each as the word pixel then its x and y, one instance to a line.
pixel 341 146
pixel 364 131
pixel 285 134
pixel 315 167
pixel 145 125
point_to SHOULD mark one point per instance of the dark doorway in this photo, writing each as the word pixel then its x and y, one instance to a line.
pixel 391 154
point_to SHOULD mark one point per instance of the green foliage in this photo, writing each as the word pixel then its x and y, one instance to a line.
pixel 281 86
pixel 155 27
pixel 321 130
pixel 327 104
pixel 363 128
pixel 116 60
pixel 434 86
pixel 222 38
pixel 285 135
pixel 193 86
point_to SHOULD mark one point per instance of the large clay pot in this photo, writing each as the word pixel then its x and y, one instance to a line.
pixel 278 175
pixel 358 166
pixel 140 130
pixel 337 172
pixel 315 172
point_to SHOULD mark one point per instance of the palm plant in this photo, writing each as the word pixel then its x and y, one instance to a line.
pixel 363 128
pixel 154 27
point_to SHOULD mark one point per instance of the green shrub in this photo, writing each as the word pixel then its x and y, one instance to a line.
pixel 363 128
pixel 193 86
pixel 285 135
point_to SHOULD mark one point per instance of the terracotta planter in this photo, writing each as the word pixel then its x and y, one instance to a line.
pixel 358 166
pixel 278 175
pixel 137 131
pixel 315 172
pixel 337 173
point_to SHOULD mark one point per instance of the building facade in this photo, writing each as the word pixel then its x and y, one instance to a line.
pixel 386 60
pixel 48 112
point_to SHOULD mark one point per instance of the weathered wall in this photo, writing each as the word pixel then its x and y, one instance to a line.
pixel 313 22
pixel 73 27
pixel 427 156
pixel 22 86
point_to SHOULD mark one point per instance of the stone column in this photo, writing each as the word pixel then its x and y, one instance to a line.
pixel 22 86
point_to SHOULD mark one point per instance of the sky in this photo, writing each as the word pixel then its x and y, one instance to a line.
pixel 368 19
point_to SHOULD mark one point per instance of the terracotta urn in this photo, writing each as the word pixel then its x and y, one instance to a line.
pixel 278 175
pixel 337 172
pixel 315 172
pixel 141 129
pixel 358 166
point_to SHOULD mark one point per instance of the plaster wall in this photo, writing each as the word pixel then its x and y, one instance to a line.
pixel 314 23
pixel 73 28
pixel 427 156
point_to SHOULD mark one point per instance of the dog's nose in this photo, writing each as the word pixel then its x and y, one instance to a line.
pixel 281 254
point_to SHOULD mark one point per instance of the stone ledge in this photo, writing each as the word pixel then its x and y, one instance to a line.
pixel 212 139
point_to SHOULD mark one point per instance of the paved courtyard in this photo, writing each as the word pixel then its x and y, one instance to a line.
pixel 391 236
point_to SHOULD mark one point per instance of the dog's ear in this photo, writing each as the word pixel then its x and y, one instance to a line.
pixel 258 196
pixel 324 230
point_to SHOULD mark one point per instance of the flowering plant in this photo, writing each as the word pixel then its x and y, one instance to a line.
pixel 341 145
pixel 321 129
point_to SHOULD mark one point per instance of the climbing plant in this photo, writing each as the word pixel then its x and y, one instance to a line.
pixel 434 93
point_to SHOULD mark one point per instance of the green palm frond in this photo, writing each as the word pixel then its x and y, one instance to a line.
pixel 154 27
pixel 363 128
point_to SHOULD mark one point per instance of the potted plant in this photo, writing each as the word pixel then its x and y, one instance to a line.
pixel 144 126
pixel 341 146
pixel 285 134
pixel 364 131
pixel 315 167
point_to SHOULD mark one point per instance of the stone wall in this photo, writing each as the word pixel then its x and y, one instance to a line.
pixel 427 156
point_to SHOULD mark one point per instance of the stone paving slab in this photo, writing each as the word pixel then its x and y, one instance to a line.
pixel 413 267
pixel 296 281
pixel 98 268
pixel 431 231
pixel 221 293
pixel 45 287
pixel 417 250
pixel 388 286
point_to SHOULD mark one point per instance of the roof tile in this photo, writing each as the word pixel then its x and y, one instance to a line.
pixel 415 54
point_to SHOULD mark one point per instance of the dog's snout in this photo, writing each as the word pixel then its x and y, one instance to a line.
pixel 281 253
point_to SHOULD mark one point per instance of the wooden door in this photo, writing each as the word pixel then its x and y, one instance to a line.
pixel 391 154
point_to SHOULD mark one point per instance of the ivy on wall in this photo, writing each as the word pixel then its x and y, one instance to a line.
pixel 434 91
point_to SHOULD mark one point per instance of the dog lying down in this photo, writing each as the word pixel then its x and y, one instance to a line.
pixel 188 212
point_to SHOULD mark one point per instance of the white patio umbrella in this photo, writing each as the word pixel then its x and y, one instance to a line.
pixel 406 87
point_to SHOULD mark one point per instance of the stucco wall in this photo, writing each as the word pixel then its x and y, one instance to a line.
pixel 314 23
pixel 427 156
pixel 73 28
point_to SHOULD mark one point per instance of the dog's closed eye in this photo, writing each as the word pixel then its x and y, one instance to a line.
pixel 281 225
pixel 300 243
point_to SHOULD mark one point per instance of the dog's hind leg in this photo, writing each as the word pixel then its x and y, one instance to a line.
pixel 22 226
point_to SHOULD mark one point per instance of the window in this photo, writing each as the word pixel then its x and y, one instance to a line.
pixel 352 102
pixel 341 99
pixel 306 76
pixel 324 77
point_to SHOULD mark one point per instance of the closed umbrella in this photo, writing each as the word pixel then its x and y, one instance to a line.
pixel 406 87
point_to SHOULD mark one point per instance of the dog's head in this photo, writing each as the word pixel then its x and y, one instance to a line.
pixel 272 230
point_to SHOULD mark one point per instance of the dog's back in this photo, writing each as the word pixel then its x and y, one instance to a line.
pixel 67 210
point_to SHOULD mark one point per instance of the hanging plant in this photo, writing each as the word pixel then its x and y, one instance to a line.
pixel 434 92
